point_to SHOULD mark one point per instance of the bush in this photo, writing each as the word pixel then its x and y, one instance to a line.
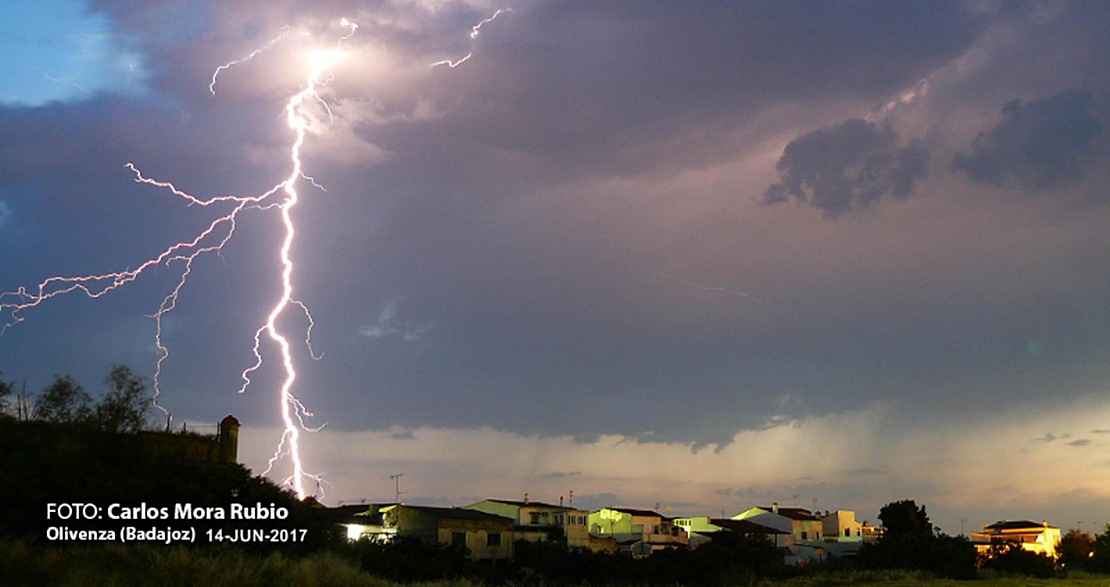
pixel 946 556
pixel 1011 559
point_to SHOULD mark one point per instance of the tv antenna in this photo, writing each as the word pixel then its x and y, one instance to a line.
pixel 397 485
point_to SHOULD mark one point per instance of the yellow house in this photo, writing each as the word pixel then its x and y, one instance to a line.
pixel 637 532
pixel 535 520
pixel 1039 538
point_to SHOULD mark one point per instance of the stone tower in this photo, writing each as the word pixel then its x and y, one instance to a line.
pixel 229 440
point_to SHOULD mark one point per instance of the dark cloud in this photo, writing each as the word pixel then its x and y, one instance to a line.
pixel 1048 437
pixel 1100 431
pixel 596 501
pixel 847 165
pixel 1080 442
pixel 1039 144
pixel 864 471
pixel 402 435
pixel 561 474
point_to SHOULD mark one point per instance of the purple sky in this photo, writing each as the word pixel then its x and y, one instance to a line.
pixel 703 254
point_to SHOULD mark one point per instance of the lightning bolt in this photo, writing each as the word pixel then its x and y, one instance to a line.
pixel 66 81
pixel 452 64
pixel 474 32
pixel 255 53
pixel 212 240
pixel 711 288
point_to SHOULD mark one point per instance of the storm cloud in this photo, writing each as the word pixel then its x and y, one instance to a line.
pixel 566 238
pixel 1039 144
pixel 847 166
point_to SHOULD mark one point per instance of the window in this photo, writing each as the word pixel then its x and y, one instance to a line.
pixel 493 539
pixel 458 538
pixel 803 534
pixel 847 531
pixel 535 518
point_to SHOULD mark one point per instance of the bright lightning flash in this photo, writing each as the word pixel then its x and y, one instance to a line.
pixel 211 240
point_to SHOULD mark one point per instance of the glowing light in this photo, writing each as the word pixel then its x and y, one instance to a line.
pixel 324 59
pixel 212 240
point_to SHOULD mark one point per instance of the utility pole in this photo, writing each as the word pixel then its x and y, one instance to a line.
pixel 962 520
pixel 397 483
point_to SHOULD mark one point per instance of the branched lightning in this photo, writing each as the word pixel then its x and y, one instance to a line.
pixel 255 53
pixel 474 32
pixel 211 240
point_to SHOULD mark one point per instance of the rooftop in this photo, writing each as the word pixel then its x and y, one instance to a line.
pixel 533 504
pixel 1018 525
pixel 455 513
pixel 792 513
pixel 745 526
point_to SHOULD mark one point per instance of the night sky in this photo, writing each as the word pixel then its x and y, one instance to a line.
pixel 706 255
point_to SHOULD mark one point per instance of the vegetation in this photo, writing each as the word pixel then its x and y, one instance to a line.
pixel 905 518
pixel 910 543
pixel 1011 559
pixel 730 559
pixel 80 566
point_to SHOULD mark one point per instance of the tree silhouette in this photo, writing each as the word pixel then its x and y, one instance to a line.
pixel 905 518
pixel 125 407
pixel 6 389
pixel 63 401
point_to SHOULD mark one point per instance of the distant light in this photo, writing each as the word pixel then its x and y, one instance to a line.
pixel 354 531
pixel 324 59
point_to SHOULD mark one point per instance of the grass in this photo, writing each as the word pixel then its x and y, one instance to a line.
pixel 112 565
pixel 918 579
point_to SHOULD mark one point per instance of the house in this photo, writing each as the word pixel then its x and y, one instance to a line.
pixel 1038 538
pixel 362 522
pixel 805 538
pixel 842 534
pixel 870 533
pixel 537 521
pixel 702 528
pixel 488 537
pixel 800 523
pixel 637 532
